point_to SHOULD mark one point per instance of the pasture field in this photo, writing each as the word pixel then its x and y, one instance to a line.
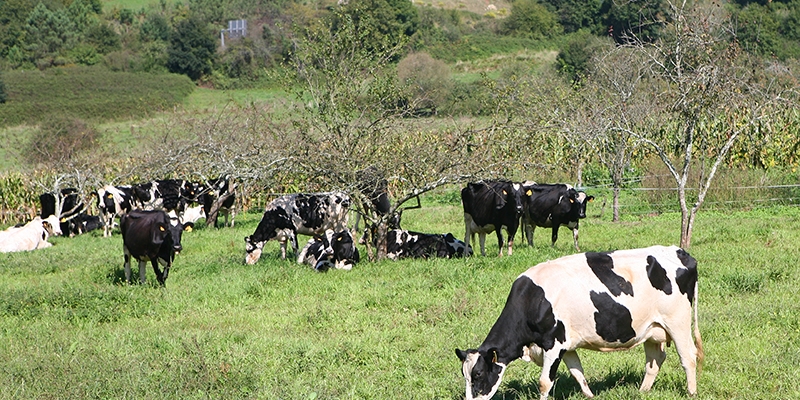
pixel 70 328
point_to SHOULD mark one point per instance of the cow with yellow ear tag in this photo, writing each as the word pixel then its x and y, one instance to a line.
pixel 151 236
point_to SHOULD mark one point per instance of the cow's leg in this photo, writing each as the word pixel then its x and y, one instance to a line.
pixel 575 238
pixel 549 369
pixel 576 369
pixel 160 275
pixel 500 241
pixel 655 354
pixel 143 271
pixel 529 228
pixel 554 236
pixel 688 355
pixel 482 240
pixel 469 239
pixel 127 266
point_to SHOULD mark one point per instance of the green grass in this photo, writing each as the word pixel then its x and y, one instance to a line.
pixel 220 329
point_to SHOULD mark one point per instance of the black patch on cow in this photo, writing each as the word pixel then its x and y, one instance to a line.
pixel 602 265
pixel 311 209
pixel 612 320
pixel 658 275
pixel 273 219
pixel 526 318
pixel 686 278
pixel 554 367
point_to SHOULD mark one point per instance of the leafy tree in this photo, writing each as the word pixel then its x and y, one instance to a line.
pixel 48 33
pixel 574 15
pixel 154 27
pixel 3 94
pixel 383 23
pixel 103 38
pixel 13 15
pixel 643 18
pixel 427 80
pixel 758 30
pixel 529 18
pixel 191 48
pixel 574 59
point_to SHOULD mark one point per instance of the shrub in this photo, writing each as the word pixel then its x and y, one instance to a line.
pixel 529 18
pixel 427 80
pixel 3 95
pixel 60 139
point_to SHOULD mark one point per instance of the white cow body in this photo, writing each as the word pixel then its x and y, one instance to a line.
pixel 31 236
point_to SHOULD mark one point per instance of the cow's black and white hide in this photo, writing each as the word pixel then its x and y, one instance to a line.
pixel 490 206
pixel 330 250
pixel 153 236
pixel 553 206
pixel 409 244
pixel 597 301
pixel 67 207
pixel 302 213
pixel 112 202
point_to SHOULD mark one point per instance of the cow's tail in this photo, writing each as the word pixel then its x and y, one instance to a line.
pixel 698 341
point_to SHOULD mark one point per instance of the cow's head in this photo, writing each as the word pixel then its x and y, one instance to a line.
pixel 581 203
pixel 253 249
pixel 516 196
pixel 52 225
pixel 456 247
pixel 482 373
pixel 344 250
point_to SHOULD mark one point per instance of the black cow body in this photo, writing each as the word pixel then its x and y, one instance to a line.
pixel 490 206
pixel 150 236
pixel 302 213
pixel 67 208
pixel 113 201
pixel 408 244
pixel 597 301
pixel 553 206
pixel 165 194
pixel 330 250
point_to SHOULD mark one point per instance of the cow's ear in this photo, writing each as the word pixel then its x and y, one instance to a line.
pixel 188 226
pixel 462 355
pixel 159 232
pixel 500 201
pixel 590 198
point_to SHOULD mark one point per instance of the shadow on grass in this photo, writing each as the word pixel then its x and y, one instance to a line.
pixel 565 386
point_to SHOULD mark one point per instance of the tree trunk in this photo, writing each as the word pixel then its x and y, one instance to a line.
pixel 211 218
pixel 615 204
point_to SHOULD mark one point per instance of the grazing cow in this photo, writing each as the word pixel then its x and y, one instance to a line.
pixel 302 213
pixel 330 250
pixel 87 223
pixel 166 194
pixel 150 236
pixel 490 206
pixel 113 201
pixel 30 236
pixel 553 206
pixel 66 208
pixel 218 189
pixel 407 244
pixel 598 301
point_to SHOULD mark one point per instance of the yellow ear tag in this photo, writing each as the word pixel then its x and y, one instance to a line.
pixel 571 201
pixel 63 220
pixel 591 199
pixel 110 196
pixel 339 239
pixel 161 228
pixel 494 357
pixel 504 193
pixel 188 229
pixel 529 192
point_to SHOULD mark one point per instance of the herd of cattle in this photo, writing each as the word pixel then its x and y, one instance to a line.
pixel 600 301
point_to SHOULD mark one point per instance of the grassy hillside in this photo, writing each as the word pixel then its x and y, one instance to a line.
pixel 90 93
pixel 70 329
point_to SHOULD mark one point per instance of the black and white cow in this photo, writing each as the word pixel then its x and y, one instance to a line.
pixel 113 201
pixel 597 301
pixel 553 206
pixel 408 244
pixel 218 190
pixel 330 250
pixel 87 223
pixel 166 194
pixel 150 236
pixel 490 206
pixel 66 207
pixel 301 213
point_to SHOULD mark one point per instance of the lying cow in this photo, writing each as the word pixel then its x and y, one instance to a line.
pixel 30 236
pixel 330 250
pixel 150 236
pixel 488 207
pixel 598 301
pixel 553 206
pixel 302 213
pixel 408 244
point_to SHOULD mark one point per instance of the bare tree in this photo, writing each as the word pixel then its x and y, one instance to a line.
pixel 703 80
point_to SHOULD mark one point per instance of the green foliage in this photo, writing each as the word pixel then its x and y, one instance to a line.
pixel 427 80
pixel 574 15
pixel 3 94
pixel 770 30
pixel 642 18
pixel 191 48
pixel 48 33
pixel 382 24
pixel 92 94
pixel 532 19
pixel 574 58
